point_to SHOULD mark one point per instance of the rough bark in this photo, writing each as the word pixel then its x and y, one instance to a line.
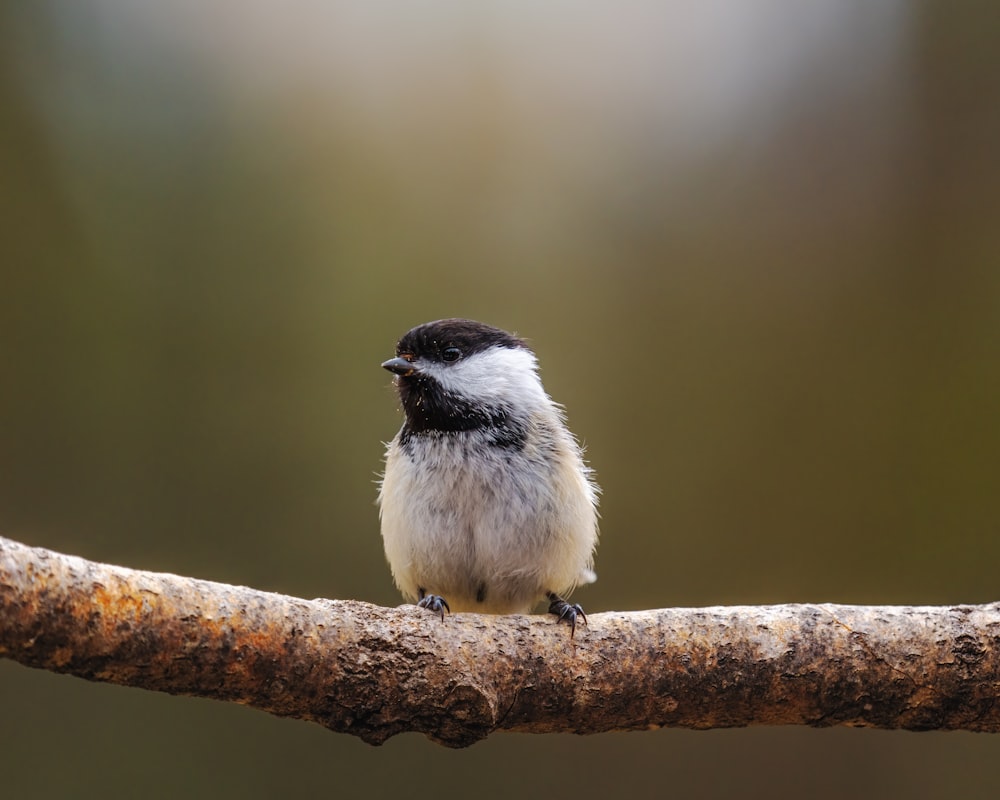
pixel 375 672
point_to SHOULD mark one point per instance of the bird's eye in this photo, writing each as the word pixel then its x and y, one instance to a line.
pixel 451 354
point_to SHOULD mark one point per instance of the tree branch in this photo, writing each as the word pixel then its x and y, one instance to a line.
pixel 375 672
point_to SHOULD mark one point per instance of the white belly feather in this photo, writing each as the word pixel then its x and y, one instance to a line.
pixel 490 533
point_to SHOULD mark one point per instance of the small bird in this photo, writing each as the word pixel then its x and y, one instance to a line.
pixel 486 503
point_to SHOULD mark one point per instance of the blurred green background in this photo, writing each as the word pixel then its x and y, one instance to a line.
pixel 756 247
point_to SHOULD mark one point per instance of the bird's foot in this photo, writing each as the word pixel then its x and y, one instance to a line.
pixel 433 603
pixel 565 612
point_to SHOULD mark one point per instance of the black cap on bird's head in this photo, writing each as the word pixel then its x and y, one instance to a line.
pixel 447 341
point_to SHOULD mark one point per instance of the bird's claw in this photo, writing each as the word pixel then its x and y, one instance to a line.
pixel 566 612
pixel 434 603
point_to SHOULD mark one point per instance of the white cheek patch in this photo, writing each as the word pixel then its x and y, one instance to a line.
pixel 497 376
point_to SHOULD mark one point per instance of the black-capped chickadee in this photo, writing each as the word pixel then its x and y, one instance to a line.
pixel 486 503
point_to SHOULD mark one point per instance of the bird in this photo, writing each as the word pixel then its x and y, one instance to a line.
pixel 486 502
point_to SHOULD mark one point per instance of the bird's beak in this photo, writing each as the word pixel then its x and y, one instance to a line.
pixel 399 366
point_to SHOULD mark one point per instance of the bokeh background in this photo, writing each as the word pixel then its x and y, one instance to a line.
pixel 755 245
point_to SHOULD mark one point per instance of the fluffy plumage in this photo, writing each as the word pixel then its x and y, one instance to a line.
pixel 485 500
